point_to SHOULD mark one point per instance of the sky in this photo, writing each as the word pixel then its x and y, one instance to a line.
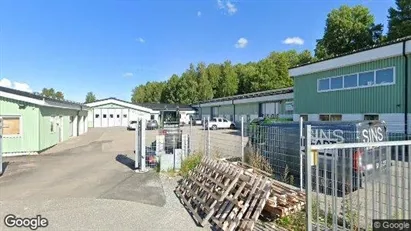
pixel 110 46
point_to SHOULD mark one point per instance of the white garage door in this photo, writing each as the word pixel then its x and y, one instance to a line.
pixel 124 117
pixel 111 113
pixel 97 118
pixel 270 109
pixel 104 118
pixel 117 117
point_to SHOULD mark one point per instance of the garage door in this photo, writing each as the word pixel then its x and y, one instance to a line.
pixel 269 109
pixel 104 117
pixel 124 117
pixel 111 113
pixel 97 118
pixel 117 117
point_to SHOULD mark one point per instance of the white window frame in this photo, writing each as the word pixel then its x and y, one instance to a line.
pixel 20 125
pixel 371 114
pixel 358 74
pixel 329 116
pixel 53 121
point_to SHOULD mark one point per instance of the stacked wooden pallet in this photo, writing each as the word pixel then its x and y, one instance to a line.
pixel 224 194
pixel 284 199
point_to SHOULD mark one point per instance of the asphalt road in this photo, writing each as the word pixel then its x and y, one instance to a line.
pixel 87 183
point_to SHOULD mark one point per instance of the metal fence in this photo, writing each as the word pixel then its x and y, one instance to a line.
pixel 348 181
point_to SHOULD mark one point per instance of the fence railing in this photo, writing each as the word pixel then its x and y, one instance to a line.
pixel 351 173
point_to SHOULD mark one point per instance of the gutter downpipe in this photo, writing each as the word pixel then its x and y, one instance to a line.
pixel 405 90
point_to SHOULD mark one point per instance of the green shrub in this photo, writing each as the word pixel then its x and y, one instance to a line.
pixel 190 162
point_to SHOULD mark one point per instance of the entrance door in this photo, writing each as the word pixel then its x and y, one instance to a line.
pixel 60 129
pixel 111 113
pixel 71 126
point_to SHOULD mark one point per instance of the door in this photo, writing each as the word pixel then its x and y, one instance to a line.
pixel 111 113
pixel 226 123
pixel 220 123
pixel 104 118
pixel 71 119
pixel 124 117
pixel 117 120
pixel 97 118
pixel 60 128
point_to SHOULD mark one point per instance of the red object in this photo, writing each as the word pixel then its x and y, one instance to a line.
pixel 357 158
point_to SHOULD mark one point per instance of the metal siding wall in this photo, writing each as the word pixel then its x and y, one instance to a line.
pixel 48 138
pixel 227 111
pixel 383 99
pixel 205 112
pixel 248 110
pixel 409 87
pixel 110 105
pixel 29 141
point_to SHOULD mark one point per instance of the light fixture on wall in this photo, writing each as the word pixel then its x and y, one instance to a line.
pixel 22 105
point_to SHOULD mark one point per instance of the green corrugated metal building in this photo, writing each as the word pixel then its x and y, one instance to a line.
pixel 274 103
pixel 33 123
pixel 372 83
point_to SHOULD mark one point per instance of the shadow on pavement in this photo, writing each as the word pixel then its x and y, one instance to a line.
pixel 127 161
pixel 4 164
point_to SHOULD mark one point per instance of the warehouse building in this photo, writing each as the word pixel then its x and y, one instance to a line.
pixel 112 112
pixel 372 83
pixel 274 103
pixel 33 123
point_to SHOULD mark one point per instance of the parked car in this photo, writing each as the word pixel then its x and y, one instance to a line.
pixel 219 123
pixel 152 124
pixel 196 121
pixel 132 125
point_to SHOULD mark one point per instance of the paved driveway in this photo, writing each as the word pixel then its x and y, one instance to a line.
pixel 86 183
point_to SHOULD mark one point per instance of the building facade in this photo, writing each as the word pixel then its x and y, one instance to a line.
pixel 112 112
pixel 33 123
pixel 274 103
pixel 369 84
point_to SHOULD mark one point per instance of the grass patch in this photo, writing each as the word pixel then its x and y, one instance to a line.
pixel 190 162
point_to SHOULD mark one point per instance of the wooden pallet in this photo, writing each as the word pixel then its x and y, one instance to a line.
pixel 229 196
pixel 206 188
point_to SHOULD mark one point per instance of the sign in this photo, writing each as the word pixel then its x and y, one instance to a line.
pixel 289 106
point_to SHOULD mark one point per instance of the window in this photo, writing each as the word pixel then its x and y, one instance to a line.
pixel 337 83
pixel 125 116
pixel 385 76
pixel 330 117
pixel 104 116
pixel 225 120
pixel 118 116
pixel 52 124
pixel 111 116
pixel 366 79
pixel 97 116
pixel 305 117
pixel 152 117
pixel 371 117
pixel 335 117
pixel 324 117
pixel 11 126
pixel 213 120
pixel 350 81
pixel 324 84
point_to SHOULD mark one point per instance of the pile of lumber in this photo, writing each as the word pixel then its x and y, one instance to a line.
pixel 231 196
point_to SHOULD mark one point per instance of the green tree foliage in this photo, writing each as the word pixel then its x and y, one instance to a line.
pixel 399 20
pixel 348 29
pixel 90 97
pixel 203 82
pixel 51 93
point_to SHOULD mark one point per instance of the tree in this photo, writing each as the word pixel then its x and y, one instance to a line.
pixel 348 29
pixel 59 95
pixel 138 94
pixel 399 20
pixel 169 94
pixel 214 75
pixel 228 83
pixel 205 89
pixel 187 88
pixel 90 97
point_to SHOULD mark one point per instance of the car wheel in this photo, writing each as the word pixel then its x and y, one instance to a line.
pixel 232 126
pixel 214 127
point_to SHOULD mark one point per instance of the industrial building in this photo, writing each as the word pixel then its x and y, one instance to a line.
pixel 112 112
pixel 274 103
pixel 33 123
pixel 372 83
